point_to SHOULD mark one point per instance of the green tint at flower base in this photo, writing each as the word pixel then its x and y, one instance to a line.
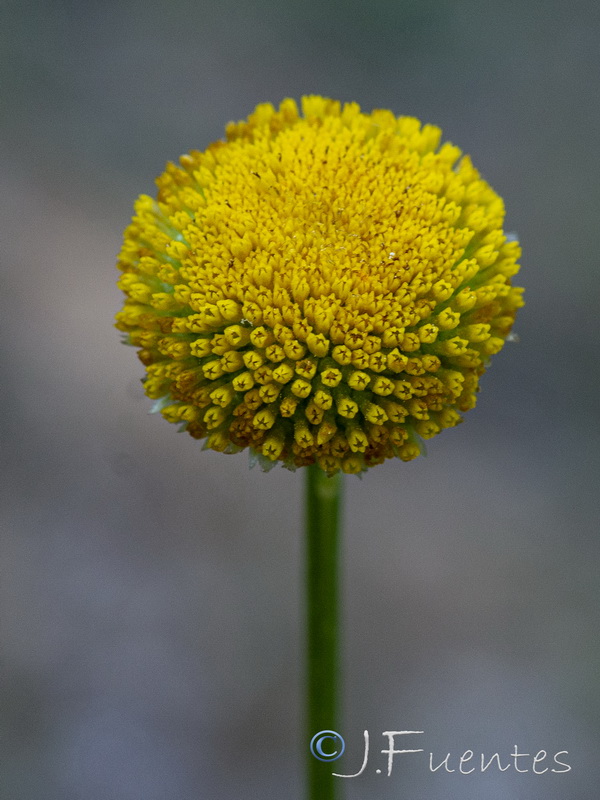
pixel 322 287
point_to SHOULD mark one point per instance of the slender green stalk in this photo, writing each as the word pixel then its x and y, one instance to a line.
pixel 322 535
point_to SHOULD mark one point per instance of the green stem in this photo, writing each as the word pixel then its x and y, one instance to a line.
pixel 322 533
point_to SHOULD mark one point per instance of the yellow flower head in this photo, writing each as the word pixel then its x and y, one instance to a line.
pixel 324 286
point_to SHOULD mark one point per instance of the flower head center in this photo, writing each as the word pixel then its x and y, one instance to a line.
pixel 325 286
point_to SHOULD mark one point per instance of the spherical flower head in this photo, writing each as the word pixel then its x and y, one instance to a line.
pixel 325 286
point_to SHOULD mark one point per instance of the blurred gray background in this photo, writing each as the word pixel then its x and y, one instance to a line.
pixel 151 592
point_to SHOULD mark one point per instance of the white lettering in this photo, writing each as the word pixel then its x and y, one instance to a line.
pixel 463 759
pixel 536 760
pixel 444 763
pixel 391 752
pixel 364 764
pixel 561 763
pixel 516 755
pixel 497 757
